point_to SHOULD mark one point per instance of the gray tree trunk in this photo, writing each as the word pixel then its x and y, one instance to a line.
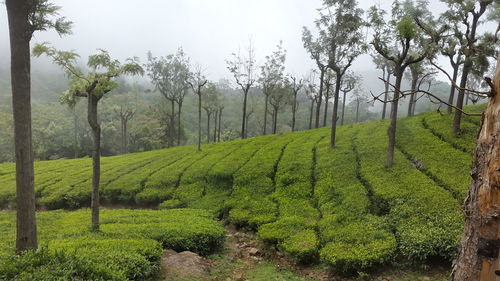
pixel 335 111
pixel 386 94
pixel 452 89
pixel 265 114
pixel 20 66
pixel 96 158
pixel 394 118
pixel 243 123
pixel 320 99
pixel 199 120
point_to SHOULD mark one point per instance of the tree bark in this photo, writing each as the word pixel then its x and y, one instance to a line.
pixel 215 125
pixel 343 108
pixel 199 120
pixel 478 258
pixel 265 114
pixel 294 110
pixel 384 107
pixel 311 114
pixel 327 97
pixel 412 103
pixel 243 123
pixel 96 158
pixel 172 123
pixel 357 110
pixel 275 118
pixel 320 99
pixel 220 125
pixel 452 89
pixel 179 129
pixel 335 111
pixel 398 73
pixel 20 36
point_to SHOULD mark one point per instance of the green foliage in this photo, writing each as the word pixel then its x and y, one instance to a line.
pixel 406 28
pixel 128 247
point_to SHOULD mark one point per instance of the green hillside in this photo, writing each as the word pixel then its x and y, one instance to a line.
pixel 338 206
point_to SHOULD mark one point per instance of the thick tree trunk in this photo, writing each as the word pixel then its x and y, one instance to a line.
pixel 478 258
pixel 265 114
pixel 179 129
pixel 452 89
pixel 17 11
pixel 311 114
pixel 96 158
pixel 394 118
pixel 386 94
pixel 320 99
pixel 199 120
pixel 327 98
pixel 343 108
pixel 294 110
pixel 335 111
pixel 243 123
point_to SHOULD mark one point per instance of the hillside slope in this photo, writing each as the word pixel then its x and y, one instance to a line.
pixel 340 205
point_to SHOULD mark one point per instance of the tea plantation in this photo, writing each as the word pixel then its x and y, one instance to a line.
pixel 339 206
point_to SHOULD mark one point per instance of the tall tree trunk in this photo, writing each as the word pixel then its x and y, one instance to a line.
pixel 318 104
pixel 465 74
pixel 311 114
pixel 386 94
pixel 357 110
pixel 467 98
pixel 411 104
pixel 478 258
pixel 294 110
pixel 398 73
pixel 215 125
pixel 125 136
pixel 275 120
pixel 199 120
pixel 96 158
pixel 343 108
pixel 172 123
pixel 335 111
pixel 243 123
pixel 20 66
pixel 327 98
pixel 452 89
pixel 208 127
pixel 220 125
pixel 75 134
pixel 265 114
pixel 179 129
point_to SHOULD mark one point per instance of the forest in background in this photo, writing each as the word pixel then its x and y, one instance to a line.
pixel 62 132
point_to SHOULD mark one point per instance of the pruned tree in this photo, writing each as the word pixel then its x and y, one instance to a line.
pixel 340 27
pixel 243 70
pixel 412 47
pixel 198 81
pixel 92 85
pixel 296 86
pixel 271 72
pixel 317 50
pixel 348 84
pixel 25 17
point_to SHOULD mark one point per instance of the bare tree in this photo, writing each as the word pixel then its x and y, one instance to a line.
pixel 197 83
pixel 243 70
pixel 271 74
pixel 296 86
pixel 349 83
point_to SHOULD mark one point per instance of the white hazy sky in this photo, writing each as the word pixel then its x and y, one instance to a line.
pixel 208 30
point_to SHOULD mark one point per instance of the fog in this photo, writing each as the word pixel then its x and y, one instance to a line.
pixel 209 31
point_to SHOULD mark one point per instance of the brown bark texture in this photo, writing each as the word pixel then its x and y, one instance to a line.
pixel 478 257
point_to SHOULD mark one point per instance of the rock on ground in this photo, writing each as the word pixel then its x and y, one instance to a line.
pixel 183 265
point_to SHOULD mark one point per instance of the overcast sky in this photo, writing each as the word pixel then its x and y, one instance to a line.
pixel 208 30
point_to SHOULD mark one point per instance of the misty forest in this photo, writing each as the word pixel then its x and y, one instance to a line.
pixel 250 140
